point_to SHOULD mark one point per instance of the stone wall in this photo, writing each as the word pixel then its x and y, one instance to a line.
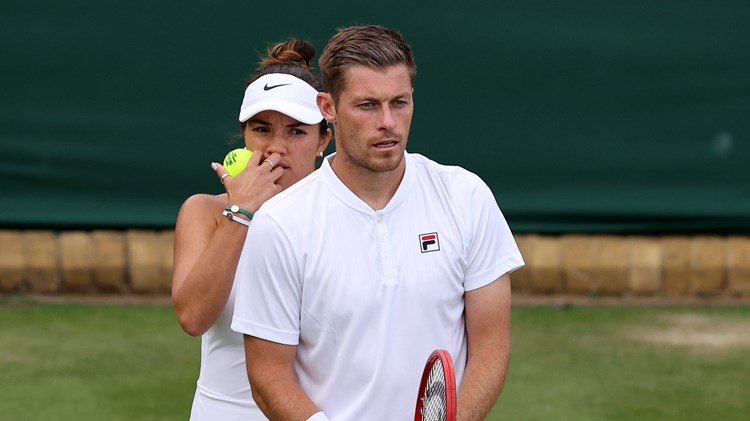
pixel 86 262
pixel 140 262
pixel 666 266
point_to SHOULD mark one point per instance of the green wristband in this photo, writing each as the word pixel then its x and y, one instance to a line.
pixel 235 208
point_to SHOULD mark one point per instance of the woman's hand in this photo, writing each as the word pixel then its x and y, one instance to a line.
pixel 253 186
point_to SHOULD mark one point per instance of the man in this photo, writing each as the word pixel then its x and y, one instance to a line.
pixel 361 269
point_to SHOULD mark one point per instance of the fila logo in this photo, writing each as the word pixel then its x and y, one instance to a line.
pixel 429 242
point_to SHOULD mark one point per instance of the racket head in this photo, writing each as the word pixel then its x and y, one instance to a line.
pixel 436 399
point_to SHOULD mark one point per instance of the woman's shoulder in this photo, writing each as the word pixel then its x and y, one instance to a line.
pixel 202 204
pixel 206 200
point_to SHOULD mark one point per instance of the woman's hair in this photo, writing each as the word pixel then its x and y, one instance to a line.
pixel 372 46
pixel 292 57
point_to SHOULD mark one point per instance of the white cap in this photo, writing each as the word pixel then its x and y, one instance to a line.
pixel 283 93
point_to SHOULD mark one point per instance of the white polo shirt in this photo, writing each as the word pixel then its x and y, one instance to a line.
pixel 367 295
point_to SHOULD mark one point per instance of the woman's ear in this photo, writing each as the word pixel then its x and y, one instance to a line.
pixel 327 107
pixel 324 140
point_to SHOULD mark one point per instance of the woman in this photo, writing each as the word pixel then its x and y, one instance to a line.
pixel 283 127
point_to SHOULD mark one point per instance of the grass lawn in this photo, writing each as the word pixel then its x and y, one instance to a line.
pixel 132 362
pixel 628 364
pixel 95 362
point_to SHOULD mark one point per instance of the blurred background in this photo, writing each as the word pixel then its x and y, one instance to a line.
pixel 583 116
pixel 614 134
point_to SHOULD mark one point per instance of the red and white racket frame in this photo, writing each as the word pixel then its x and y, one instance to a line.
pixel 449 381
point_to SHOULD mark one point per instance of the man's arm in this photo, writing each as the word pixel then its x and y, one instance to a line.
pixel 488 336
pixel 270 368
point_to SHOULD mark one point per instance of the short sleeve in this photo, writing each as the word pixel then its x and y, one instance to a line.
pixel 267 303
pixel 491 251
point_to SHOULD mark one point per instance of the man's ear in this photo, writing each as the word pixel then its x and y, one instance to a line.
pixel 327 107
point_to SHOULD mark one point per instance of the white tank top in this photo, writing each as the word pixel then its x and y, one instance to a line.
pixel 223 390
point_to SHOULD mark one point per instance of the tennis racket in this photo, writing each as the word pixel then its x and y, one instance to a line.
pixel 436 400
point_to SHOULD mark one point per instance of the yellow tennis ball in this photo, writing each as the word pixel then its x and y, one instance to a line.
pixel 236 161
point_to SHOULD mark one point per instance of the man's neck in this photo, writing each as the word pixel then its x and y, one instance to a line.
pixel 376 188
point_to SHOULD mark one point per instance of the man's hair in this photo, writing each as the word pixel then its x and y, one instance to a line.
pixel 372 46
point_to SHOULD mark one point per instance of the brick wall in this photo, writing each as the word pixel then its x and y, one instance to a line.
pixel 140 262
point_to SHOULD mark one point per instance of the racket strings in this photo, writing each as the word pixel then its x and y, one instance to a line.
pixel 434 399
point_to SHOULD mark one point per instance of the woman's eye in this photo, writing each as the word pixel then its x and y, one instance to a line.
pixel 261 129
pixel 298 132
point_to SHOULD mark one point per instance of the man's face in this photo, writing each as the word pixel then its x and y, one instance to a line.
pixel 372 118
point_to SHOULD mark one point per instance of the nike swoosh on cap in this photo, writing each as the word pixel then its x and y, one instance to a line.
pixel 268 88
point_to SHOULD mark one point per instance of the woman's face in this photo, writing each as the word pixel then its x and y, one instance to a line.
pixel 298 144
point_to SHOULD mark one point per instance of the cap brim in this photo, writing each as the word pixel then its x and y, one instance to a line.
pixel 296 111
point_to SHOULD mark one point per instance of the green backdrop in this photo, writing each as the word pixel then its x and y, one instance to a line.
pixel 581 115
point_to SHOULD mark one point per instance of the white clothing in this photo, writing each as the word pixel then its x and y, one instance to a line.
pixel 367 295
pixel 223 390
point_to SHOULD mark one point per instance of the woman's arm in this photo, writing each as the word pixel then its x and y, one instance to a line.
pixel 207 245
pixel 207 248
